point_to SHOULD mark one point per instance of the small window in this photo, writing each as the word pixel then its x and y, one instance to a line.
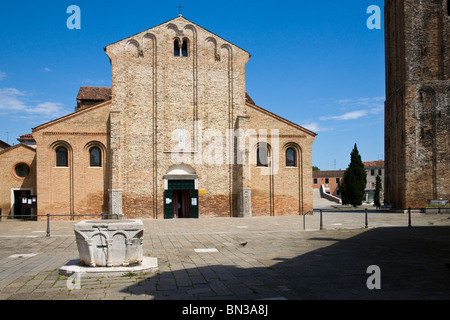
pixel 337 180
pixel 327 181
pixel 184 48
pixel 62 157
pixel 176 48
pixel 261 157
pixel 372 172
pixel 95 157
pixel 22 170
pixel 315 181
pixel 379 172
pixel 290 157
pixel 180 48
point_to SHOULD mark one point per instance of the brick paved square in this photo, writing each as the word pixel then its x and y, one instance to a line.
pixel 281 260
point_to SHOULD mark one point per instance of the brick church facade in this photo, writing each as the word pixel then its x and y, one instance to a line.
pixel 176 135
pixel 417 108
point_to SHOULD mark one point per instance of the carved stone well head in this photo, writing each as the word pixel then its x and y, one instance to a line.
pixel 109 243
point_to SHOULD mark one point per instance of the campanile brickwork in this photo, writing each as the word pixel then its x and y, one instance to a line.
pixel 417 108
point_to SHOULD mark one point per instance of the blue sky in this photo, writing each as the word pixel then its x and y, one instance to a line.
pixel 313 62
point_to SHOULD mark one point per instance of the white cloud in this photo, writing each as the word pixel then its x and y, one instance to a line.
pixel 48 70
pixel 363 106
pixel 353 115
pixel 47 108
pixel 2 75
pixel 344 101
pixel 10 99
pixel 367 103
pixel 315 127
pixel 15 101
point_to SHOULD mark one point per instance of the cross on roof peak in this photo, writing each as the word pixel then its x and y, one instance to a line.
pixel 179 9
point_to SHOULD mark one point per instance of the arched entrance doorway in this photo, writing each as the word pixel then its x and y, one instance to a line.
pixel 181 193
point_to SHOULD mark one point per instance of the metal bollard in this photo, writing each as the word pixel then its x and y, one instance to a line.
pixel 367 222
pixel 48 225
pixel 303 221
pixel 321 223
pixel 409 217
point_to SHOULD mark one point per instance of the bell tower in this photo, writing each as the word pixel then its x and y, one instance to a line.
pixel 417 107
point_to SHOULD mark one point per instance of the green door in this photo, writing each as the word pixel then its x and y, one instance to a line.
pixel 176 186
pixel 194 204
pixel 168 204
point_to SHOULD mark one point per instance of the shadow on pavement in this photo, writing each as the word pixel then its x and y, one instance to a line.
pixel 412 263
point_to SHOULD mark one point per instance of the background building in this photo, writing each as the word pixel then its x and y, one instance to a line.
pixel 373 169
pixel 330 180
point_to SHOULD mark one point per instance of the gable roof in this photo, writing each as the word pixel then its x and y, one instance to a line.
pixel 328 174
pixel 17 146
pixel 94 93
pixel 371 164
pixel 70 115
pixel 249 99
pixel 26 137
pixel 177 18
pixel 4 145
pixel 249 102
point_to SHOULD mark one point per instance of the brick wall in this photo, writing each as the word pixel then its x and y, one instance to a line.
pixel 155 93
pixel 332 185
pixel 77 188
pixel 9 158
pixel 417 103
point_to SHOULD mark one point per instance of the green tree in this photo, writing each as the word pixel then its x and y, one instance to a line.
pixel 315 168
pixel 354 182
pixel 377 192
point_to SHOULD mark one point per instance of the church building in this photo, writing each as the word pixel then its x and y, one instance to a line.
pixel 176 136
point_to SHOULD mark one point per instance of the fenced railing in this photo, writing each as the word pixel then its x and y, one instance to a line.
pixel 103 216
pixel 366 219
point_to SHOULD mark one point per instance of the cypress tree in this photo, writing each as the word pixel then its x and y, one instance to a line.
pixel 354 182
pixel 376 199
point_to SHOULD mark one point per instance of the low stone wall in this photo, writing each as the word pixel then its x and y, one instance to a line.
pixel 437 210
pixel 330 197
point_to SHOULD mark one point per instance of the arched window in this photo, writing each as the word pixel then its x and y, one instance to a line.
pixel 261 156
pixel 184 48
pixel 180 48
pixel 176 48
pixel 62 157
pixel 95 156
pixel 291 158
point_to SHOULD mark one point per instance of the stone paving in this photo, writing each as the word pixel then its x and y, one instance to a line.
pixel 283 259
